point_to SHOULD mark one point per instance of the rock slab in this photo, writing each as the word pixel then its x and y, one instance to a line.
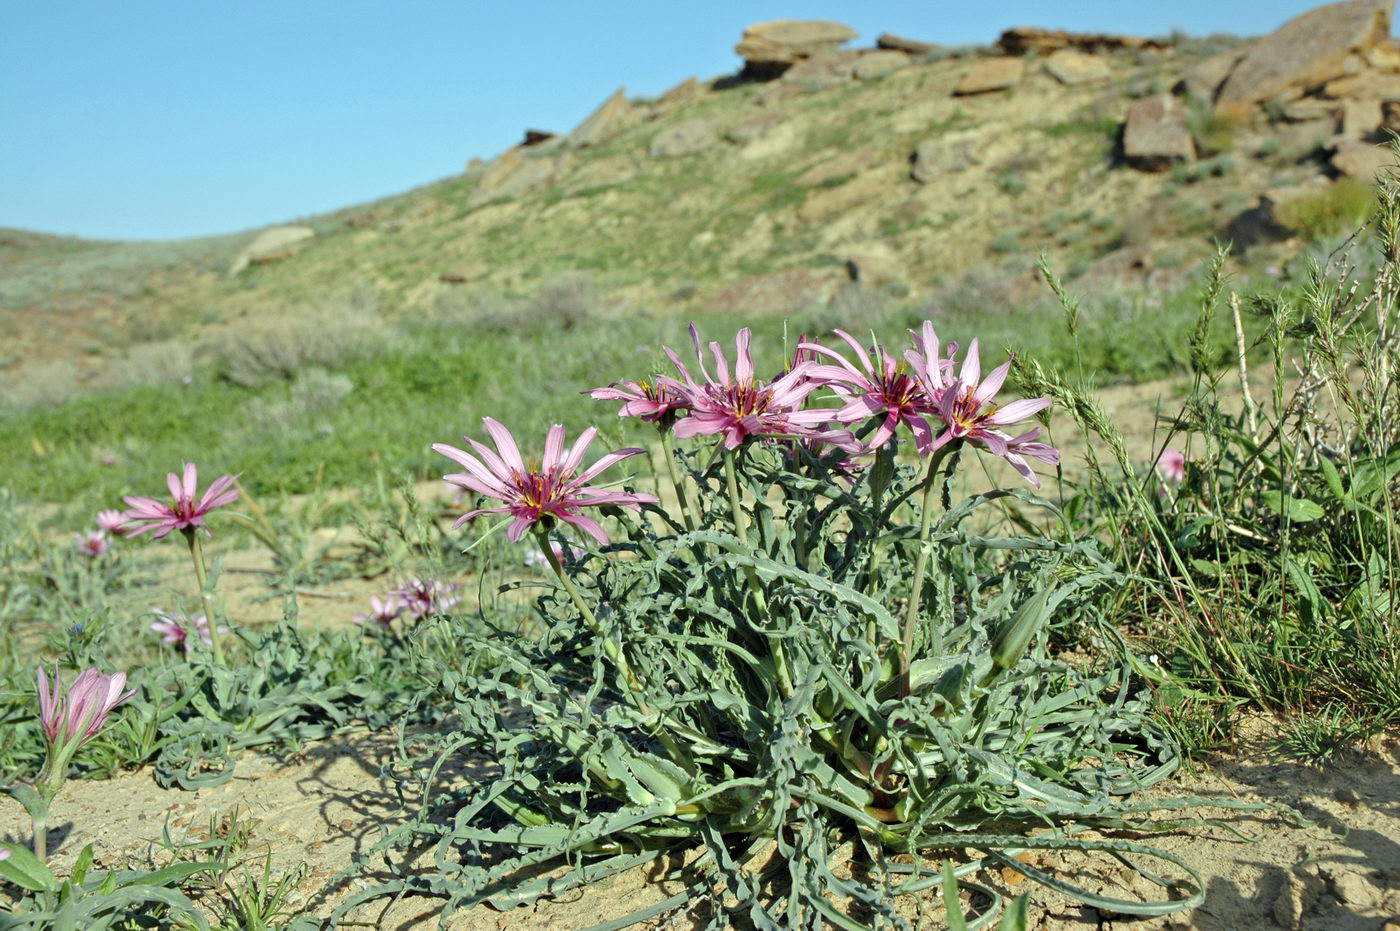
pixel 991 74
pixel 272 245
pixel 1309 50
pixel 770 48
pixel 1071 66
pixel 1156 135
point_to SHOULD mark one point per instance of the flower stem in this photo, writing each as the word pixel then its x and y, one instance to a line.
pixel 197 555
pixel 681 496
pixel 911 615
pixel 41 839
pixel 741 530
pixel 612 649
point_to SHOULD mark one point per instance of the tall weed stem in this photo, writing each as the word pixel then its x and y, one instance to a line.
pixel 610 647
pixel 197 556
pixel 911 614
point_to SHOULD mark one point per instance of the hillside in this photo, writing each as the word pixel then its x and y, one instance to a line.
pixel 903 171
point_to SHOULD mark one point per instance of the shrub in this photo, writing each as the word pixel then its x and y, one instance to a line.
pixel 1342 205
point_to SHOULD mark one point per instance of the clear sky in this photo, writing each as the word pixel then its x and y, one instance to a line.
pixel 155 119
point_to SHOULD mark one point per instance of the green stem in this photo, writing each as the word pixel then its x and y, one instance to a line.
pixel 681 496
pixel 612 649
pixel 41 839
pixel 741 530
pixel 197 555
pixel 911 615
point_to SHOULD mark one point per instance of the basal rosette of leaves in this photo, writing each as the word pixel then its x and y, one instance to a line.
pixel 755 699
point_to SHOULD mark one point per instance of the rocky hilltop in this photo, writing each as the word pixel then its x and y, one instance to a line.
pixel 818 167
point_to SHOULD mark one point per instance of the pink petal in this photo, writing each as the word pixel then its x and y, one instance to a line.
pixel 992 384
pixel 1019 410
pixel 588 525
pixel 972 365
pixel 575 457
pixel 603 463
pixel 505 444
pixel 743 365
pixel 553 448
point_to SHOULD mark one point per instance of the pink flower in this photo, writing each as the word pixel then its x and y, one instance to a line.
pixel 555 489
pixel 111 521
pixel 79 713
pixel 92 543
pixel 742 406
pixel 654 403
pixel 883 388
pixel 383 611
pixel 183 512
pixel 1172 465
pixel 176 628
pixel 964 405
pixel 426 597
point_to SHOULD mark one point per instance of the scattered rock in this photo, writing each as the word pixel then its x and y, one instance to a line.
pixel 1376 84
pixel 1156 135
pixel 1205 79
pixel 769 49
pixel 877 64
pixel 454 277
pixel 1384 57
pixel 889 40
pixel 955 151
pixel 1022 40
pixel 612 116
pixel 1070 66
pixel 1352 888
pixel 991 74
pixel 827 69
pixel 536 136
pixel 272 245
pixel 687 137
pixel 1305 52
pixel 843 165
pixel 1362 160
pixel 1309 109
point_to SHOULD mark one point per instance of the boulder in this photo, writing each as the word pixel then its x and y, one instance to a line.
pixel 889 40
pixel 272 245
pixel 514 173
pixel 1310 109
pixel 954 151
pixel 1384 57
pixel 536 136
pixel 1071 66
pixel 877 64
pixel 1306 52
pixel 1375 84
pixel 872 263
pixel 991 74
pixel 753 127
pixel 1360 118
pixel 612 116
pixel 1156 135
pixel 769 49
pixel 687 137
pixel 1023 40
pixel 1205 79
pixel 827 69
pixel 1363 161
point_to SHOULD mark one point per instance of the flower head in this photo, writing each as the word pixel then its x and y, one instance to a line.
pixel 876 387
pixel 78 713
pixel 966 408
pixel 92 543
pixel 652 402
pixel 426 597
pixel 111 521
pixel 1172 465
pixel 183 511
pixel 742 406
pixel 176 628
pixel 383 611
pixel 556 488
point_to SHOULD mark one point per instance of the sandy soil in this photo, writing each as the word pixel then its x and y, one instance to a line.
pixel 1341 873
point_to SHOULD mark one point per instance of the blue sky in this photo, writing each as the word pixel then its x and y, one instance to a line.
pixel 155 119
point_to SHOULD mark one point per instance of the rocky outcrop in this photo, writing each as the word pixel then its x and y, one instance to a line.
pixel 991 74
pixel 517 172
pixel 1071 66
pixel 828 69
pixel 272 245
pixel 1308 51
pixel 1023 40
pixel 877 64
pixel 679 97
pixel 612 116
pixel 769 49
pixel 889 40
pixel 1156 136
